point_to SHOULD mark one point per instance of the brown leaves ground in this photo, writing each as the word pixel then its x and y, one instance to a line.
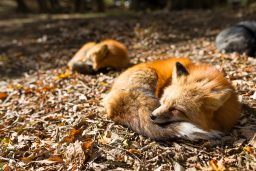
pixel 52 119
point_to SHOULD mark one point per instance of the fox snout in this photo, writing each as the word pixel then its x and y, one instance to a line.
pixel 81 67
pixel 161 115
pixel 164 114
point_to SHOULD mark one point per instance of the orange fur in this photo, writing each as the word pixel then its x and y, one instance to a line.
pixel 193 106
pixel 80 55
pixel 92 57
pixel 163 69
pixel 210 99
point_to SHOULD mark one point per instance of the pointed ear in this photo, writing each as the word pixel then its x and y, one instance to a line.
pixel 179 71
pixel 217 98
pixel 102 52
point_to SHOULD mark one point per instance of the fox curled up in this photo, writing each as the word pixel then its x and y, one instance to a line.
pixel 93 57
pixel 172 98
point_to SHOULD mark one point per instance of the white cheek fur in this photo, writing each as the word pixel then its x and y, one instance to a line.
pixel 192 132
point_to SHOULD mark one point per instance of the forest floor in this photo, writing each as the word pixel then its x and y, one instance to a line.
pixel 51 119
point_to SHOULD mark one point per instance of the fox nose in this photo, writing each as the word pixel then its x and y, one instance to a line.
pixel 89 67
pixel 152 117
pixel 90 70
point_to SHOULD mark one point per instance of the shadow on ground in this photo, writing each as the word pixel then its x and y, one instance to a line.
pixel 43 43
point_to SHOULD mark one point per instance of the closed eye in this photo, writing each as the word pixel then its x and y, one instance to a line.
pixel 199 80
pixel 178 111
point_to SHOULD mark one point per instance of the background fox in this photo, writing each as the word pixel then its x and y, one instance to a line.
pixel 197 102
pixel 95 56
pixel 239 38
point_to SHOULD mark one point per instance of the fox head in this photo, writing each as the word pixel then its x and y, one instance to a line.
pixel 194 96
pixel 89 58
pixel 96 55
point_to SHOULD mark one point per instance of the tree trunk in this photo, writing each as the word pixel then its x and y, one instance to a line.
pixel 22 6
pixel 194 4
pixel 98 5
pixel 55 5
pixel 168 5
pixel 78 5
pixel 42 4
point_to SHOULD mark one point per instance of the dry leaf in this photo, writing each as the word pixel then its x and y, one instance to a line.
pixel 6 141
pixel 7 168
pixel 178 167
pixel 3 164
pixel 3 95
pixel 106 139
pixel 56 158
pixel 28 159
pixel 103 83
pixel 72 134
pixel 67 74
pixel 75 154
pixel 253 141
pixel 134 151
pixel 74 167
pixel 217 166
pixel 87 145
pixel 46 161
pixel 254 96
pixel 48 88
pixel 119 157
pixel 248 149
pixel 28 90
pixel 249 69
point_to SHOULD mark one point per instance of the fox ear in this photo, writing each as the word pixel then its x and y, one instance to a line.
pixel 217 98
pixel 179 71
pixel 103 51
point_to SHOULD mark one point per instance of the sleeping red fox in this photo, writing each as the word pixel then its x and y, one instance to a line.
pixel 197 102
pixel 95 56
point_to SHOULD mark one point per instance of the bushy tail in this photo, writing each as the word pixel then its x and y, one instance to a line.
pixel 132 109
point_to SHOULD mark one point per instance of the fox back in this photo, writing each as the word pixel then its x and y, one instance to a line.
pixel 116 55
